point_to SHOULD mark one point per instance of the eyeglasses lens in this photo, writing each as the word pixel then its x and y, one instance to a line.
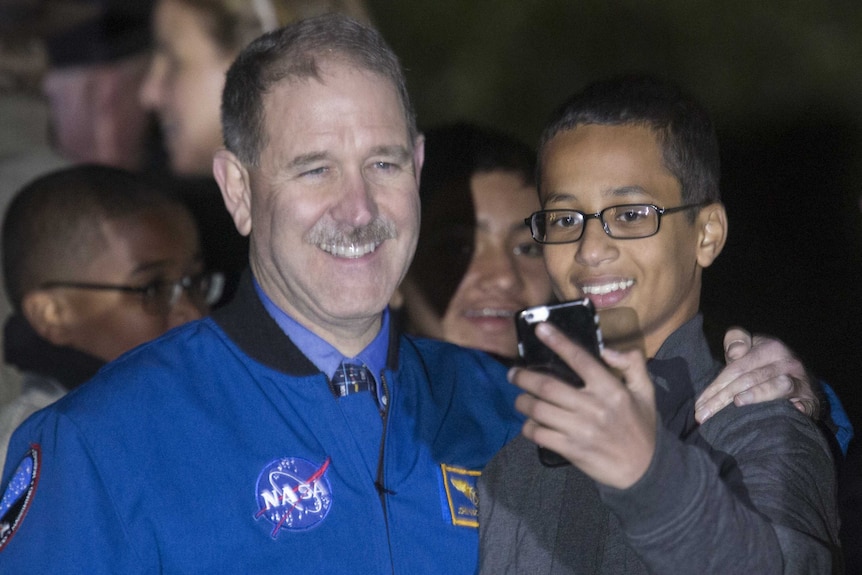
pixel 203 291
pixel 564 226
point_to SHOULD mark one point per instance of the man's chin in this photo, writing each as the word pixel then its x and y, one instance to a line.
pixel 357 303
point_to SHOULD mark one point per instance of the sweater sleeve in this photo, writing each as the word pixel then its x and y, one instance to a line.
pixel 763 501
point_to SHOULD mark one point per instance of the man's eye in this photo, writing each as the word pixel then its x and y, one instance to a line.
pixel 384 167
pixel 314 172
pixel 382 171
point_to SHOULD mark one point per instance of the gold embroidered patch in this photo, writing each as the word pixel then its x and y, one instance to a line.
pixel 462 494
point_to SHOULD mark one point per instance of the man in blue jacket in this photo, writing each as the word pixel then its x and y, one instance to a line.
pixel 233 446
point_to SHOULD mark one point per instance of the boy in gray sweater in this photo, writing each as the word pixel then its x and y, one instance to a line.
pixel 649 490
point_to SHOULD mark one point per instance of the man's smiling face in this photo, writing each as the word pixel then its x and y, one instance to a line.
pixel 334 200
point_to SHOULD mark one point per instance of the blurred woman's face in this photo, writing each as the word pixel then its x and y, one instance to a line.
pixel 184 86
pixel 506 272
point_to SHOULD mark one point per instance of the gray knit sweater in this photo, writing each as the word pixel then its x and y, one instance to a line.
pixel 750 491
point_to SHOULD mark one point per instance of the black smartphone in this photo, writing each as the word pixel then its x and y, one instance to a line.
pixel 580 322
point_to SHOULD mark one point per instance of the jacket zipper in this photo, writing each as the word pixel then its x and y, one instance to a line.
pixel 382 491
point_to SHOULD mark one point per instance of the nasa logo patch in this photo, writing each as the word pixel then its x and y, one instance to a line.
pixel 19 495
pixel 293 494
pixel 462 496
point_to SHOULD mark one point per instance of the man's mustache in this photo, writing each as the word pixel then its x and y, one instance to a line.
pixel 329 233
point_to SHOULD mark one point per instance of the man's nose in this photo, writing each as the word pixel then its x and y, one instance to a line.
pixel 356 204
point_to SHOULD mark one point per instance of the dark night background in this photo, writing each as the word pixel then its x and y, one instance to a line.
pixel 783 81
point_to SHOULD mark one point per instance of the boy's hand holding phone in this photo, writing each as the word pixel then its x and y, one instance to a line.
pixel 578 320
pixel 607 428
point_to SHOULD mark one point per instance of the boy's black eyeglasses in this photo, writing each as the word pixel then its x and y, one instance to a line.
pixel 160 296
pixel 623 222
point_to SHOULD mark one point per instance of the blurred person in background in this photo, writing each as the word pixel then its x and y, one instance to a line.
pixel 24 147
pixel 68 75
pixel 475 264
pixel 95 68
pixel 195 43
pixel 96 262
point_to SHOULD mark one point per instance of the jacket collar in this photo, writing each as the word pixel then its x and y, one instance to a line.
pixel 248 324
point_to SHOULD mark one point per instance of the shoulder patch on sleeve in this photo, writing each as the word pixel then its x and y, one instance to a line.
pixel 462 495
pixel 18 494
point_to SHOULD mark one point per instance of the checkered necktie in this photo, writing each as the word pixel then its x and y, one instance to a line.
pixel 353 378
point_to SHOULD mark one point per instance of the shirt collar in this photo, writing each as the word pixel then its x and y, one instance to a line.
pixel 320 352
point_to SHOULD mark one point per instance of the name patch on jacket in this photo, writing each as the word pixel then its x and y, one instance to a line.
pixel 293 494
pixel 18 494
pixel 462 496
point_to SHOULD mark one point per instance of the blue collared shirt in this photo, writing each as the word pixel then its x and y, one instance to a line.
pixel 320 352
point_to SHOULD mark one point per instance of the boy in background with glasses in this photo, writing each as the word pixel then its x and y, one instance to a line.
pixel 95 262
pixel 648 489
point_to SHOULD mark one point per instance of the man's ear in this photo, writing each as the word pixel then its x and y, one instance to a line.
pixel 233 180
pixel 418 156
pixel 712 233
pixel 48 313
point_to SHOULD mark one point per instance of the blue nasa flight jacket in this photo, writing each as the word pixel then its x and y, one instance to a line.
pixel 219 448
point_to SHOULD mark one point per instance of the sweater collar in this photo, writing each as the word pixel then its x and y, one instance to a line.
pixel 681 369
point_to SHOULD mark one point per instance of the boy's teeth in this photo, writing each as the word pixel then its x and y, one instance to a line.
pixel 607 288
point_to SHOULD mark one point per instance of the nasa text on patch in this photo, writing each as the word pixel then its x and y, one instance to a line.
pixel 293 494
